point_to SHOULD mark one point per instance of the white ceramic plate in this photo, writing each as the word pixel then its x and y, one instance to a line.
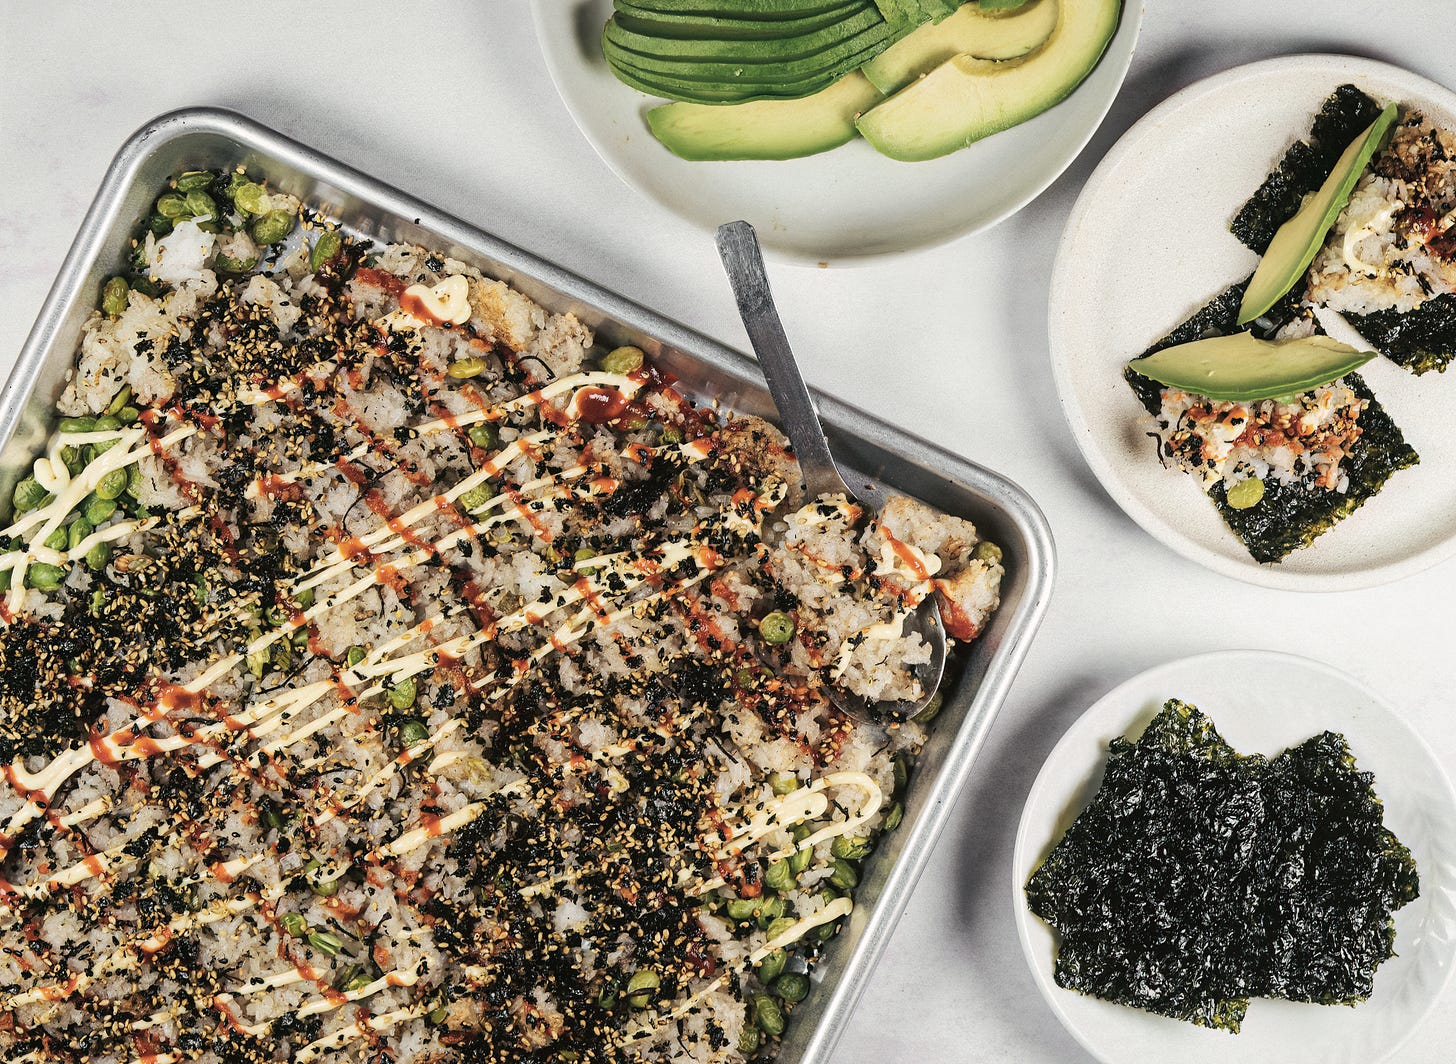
pixel 1261 702
pixel 839 207
pixel 1148 243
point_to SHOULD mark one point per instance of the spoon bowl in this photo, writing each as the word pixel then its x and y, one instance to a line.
pixel 743 261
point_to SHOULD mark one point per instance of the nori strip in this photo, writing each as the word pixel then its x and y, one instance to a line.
pixel 1420 340
pixel 1291 516
pixel 1304 167
pixel 1197 878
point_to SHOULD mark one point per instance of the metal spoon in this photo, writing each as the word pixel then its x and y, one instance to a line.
pixel 738 248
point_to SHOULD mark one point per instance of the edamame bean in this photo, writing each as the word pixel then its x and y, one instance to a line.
pixel 464 368
pixel 782 783
pixel 199 203
pixel 355 655
pixel 792 986
pixel 98 557
pixel 437 1015
pixel 328 244
pixel 293 924
pixel 195 179
pixel 346 975
pixel 77 424
pixel 402 694
pixel 28 495
pixel 57 540
pixel 987 551
pixel 779 926
pixel 249 198
pixel 780 877
pixel 672 434
pixel 272 227
pixel 281 655
pixel 624 359
pixel 1246 494
pixel 894 817
pixel 844 876
pixel 44 577
pixel 171 205
pixel 78 530
pixel 932 708
pixel 234 266
pixel 902 771
pixel 119 400
pixel 767 1014
pixel 112 484
pixel 483 435
pixel 159 225
pixel 325 942
pixel 741 909
pixel 127 414
pixel 476 497
pixel 607 996
pixel 800 859
pixel 642 987
pixel 114 296
pixel 772 965
pixel 769 910
pixel 143 284
pixel 413 732
pixel 777 627
pixel 748 1040
pixel 850 847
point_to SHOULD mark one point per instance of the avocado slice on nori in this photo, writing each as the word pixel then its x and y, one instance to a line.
pixel 1304 166
pixel 1420 340
pixel 1289 516
pixel 1197 877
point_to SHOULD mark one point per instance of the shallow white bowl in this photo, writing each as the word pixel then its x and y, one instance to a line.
pixel 840 207
pixel 1147 243
pixel 1261 702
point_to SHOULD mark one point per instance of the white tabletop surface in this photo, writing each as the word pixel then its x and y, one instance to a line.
pixel 951 343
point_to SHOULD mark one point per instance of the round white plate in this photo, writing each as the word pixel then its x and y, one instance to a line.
pixel 1147 243
pixel 839 207
pixel 1261 702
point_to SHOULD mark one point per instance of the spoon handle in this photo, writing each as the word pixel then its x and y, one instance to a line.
pixel 738 248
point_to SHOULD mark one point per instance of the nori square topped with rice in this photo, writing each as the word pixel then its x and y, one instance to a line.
pixel 1198 878
pixel 1290 515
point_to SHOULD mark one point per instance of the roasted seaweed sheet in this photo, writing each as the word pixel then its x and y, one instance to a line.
pixel 1420 340
pixel 1289 516
pixel 1304 166
pixel 1198 878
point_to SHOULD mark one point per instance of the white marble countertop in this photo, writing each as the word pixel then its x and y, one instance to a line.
pixel 76 79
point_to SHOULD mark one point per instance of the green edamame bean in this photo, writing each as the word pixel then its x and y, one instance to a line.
pixel 844 876
pixel 800 859
pixel 902 771
pixel 114 296
pixel 850 847
pixel 780 877
pixel 413 732
pixel 476 497
pixel 437 1015
pixel 792 986
pixel 57 540
pixel 987 551
pixel 272 227
pixel 159 225
pixel 98 557
pixel 355 655
pixel 894 817
pixel 749 1040
pixel 78 530
pixel 932 708
pixel 143 284
pixel 328 244
pixel 326 943
pixel 195 179
pixel 767 1014
pixel 672 434
pixel 199 203
pixel 127 414
pixel 77 424
pixel 281 655
pixel 1246 494
pixel 402 694
pixel 776 627
pixel 771 966
pixel 44 577
pixel 779 926
pixel 112 484
pixel 782 783
pixel 464 368
pixel 642 987
pixel 293 924
pixel 28 495
pixel 233 266
pixel 769 910
pixel 741 909
pixel 624 359
pixel 483 435
pixel 119 400
pixel 249 198
pixel 172 205
pixel 106 423
pixel 607 996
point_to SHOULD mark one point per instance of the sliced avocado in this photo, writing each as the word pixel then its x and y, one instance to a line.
pixel 710 27
pixel 765 129
pixel 1241 368
pixel 968 32
pixel 965 99
pixel 762 9
pixel 783 51
pixel 824 61
pixel 1002 5
pixel 1298 240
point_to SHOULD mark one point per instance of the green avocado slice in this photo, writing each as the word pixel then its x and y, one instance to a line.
pixel 966 99
pixel 768 10
pixel 831 58
pixel 765 129
pixel 1298 240
pixel 717 28
pixel 1241 368
pixel 967 32
pixel 781 49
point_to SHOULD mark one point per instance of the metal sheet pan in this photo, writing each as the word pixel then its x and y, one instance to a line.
pixel 204 137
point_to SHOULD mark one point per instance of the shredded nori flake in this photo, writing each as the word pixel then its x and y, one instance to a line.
pixel 1304 167
pixel 1198 878
pixel 1420 340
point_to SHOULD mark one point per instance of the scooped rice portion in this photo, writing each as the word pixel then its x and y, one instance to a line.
pixel 1394 246
pixel 387 672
